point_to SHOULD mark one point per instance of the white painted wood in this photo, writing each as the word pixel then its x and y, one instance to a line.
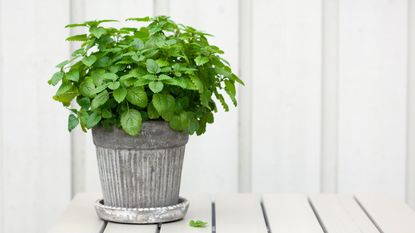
pixel 2 181
pixel 290 213
pixel 341 214
pixel 35 145
pixel 245 96
pixel 329 134
pixel 390 214
pixel 410 142
pixel 161 7
pixel 239 213
pixel 77 14
pixel 286 95
pixel 200 209
pixel 130 228
pixel 106 9
pixel 80 216
pixel 372 95
pixel 211 160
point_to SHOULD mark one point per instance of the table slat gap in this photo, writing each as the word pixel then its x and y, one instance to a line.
pixel 264 213
pixel 368 214
pixel 323 227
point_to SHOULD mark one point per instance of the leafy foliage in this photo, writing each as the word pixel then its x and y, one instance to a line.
pixel 160 71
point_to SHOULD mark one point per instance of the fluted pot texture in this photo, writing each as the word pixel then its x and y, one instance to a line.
pixel 140 171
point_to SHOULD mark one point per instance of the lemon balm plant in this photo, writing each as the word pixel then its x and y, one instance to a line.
pixel 162 71
pixel 142 91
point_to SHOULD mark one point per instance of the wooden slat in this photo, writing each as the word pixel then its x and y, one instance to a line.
pixel 80 216
pixel 239 213
pixel 200 209
pixel 130 228
pixel 389 214
pixel 341 214
pixel 290 213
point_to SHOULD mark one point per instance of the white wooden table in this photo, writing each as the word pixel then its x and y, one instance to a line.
pixel 252 213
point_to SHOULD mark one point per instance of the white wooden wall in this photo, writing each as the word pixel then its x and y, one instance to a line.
pixel 329 105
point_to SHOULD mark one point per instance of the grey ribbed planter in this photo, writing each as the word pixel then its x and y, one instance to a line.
pixel 142 171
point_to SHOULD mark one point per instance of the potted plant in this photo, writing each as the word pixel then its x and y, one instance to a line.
pixel 142 91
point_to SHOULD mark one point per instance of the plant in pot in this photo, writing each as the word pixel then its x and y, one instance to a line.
pixel 142 91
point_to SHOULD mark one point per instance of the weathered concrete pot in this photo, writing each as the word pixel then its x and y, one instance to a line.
pixel 142 171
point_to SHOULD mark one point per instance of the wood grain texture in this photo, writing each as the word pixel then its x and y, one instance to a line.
pixel 213 157
pixel 341 214
pixel 200 209
pixel 388 213
pixel 286 95
pixel 290 213
pixel 80 216
pixel 35 144
pixel 372 96
pixel 239 213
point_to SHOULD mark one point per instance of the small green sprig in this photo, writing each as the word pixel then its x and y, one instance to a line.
pixel 159 71
pixel 197 223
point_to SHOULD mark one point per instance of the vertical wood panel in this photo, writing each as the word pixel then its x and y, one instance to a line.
pixel 410 142
pixel 286 95
pixel 35 144
pixel 211 160
pixel 2 181
pixel 245 96
pixel 329 97
pixel 372 95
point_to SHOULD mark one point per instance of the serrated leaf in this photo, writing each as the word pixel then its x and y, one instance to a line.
pixel 88 61
pixel 152 112
pixel 152 66
pixel 164 77
pixel 82 37
pixel 56 78
pixel 114 85
pixel 222 101
pixel 73 25
pixel 137 96
pixel 63 64
pixel 73 121
pixel 110 76
pixel 87 87
pixel 198 83
pixel 65 94
pixel 156 86
pixel 197 223
pixel 72 75
pixel 231 91
pixel 141 82
pixel 100 99
pixel 160 102
pixel 201 60
pixel 131 122
pixel 97 31
pixel 100 88
pixel 105 113
pixel 93 120
pixel 120 94
pixel 84 102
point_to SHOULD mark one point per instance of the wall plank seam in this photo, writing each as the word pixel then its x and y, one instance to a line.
pixel 245 96
pixel 329 141
pixel 2 150
pixel 410 167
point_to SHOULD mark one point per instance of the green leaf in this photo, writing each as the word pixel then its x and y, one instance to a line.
pixel 73 75
pixel 131 122
pixel 152 112
pixel 137 96
pixel 97 31
pixel 197 223
pixel 159 102
pixel 106 113
pixel 231 91
pixel 73 121
pixel 63 64
pixel 156 86
pixel 201 60
pixel 84 102
pixel 87 87
pixel 92 120
pixel 56 78
pixel 65 94
pixel 144 19
pixel 222 101
pixel 110 76
pixel 164 77
pixel 73 25
pixel 82 37
pixel 100 88
pixel 114 85
pixel 120 94
pixel 88 61
pixel 100 99
pixel 152 66
pixel 198 83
